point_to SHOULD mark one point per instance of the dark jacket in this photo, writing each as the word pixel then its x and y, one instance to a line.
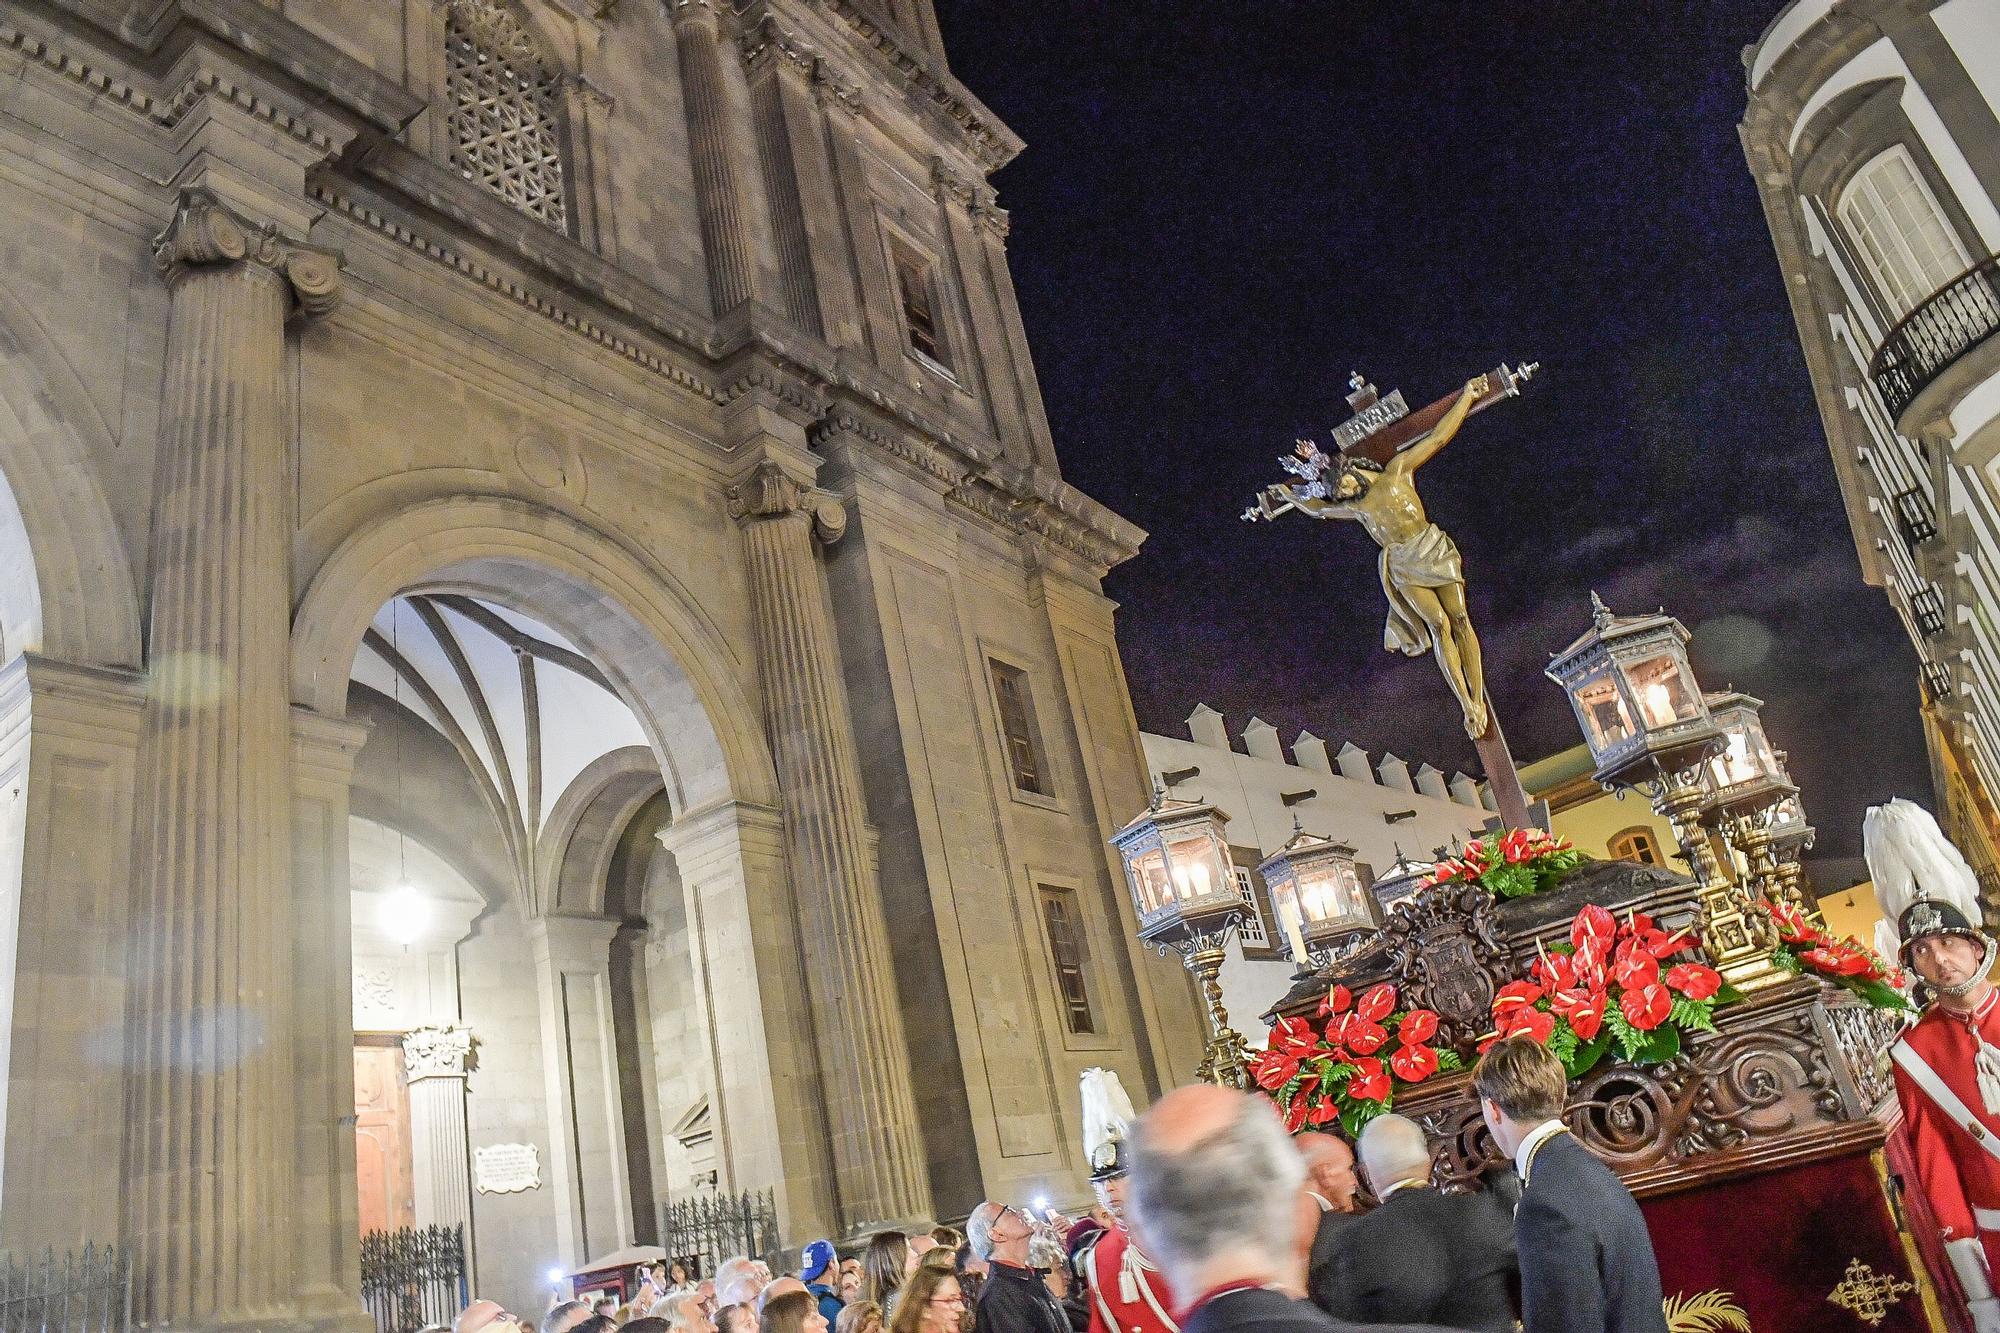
pixel 1428 1257
pixel 1263 1309
pixel 1587 1261
pixel 1322 1265
pixel 1016 1300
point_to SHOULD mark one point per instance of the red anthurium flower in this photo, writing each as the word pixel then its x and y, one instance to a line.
pixel 1832 958
pixel 1554 971
pixel 1418 1026
pixel 1694 980
pixel 1335 1001
pixel 1588 964
pixel 1486 1042
pixel 1583 1009
pixel 1593 925
pixel 1294 1035
pixel 1377 1003
pixel 1646 1007
pixel 1516 995
pixel 1324 1110
pixel 1370 1082
pixel 1276 1070
pixel 1295 1115
pixel 1636 970
pixel 1537 1024
pixel 1366 1038
pixel 1414 1064
pixel 1660 944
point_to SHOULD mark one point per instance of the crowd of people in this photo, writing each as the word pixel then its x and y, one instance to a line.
pixel 1210 1216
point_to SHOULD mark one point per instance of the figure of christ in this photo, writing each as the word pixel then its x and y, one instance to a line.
pixel 1421 573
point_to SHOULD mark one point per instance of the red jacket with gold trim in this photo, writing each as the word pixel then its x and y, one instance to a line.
pixel 1127 1294
pixel 1960 1178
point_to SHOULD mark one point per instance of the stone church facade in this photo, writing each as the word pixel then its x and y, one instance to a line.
pixel 539 614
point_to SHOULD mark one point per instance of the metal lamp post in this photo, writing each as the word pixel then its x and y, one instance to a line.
pixel 1746 781
pixel 1318 895
pixel 1649 729
pixel 1178 869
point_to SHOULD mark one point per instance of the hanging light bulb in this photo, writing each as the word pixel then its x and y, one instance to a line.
pixel 404 914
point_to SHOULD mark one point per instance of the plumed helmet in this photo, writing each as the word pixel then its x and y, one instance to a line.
pixel 1107 1123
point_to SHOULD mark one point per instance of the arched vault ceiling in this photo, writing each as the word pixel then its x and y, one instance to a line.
pixel 524 709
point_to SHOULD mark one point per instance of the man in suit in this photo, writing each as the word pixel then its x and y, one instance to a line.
pixel 1586 1259
pixel 1213 1187
pixel 1421 1255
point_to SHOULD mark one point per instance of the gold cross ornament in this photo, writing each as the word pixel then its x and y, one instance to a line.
pixel 1867 1294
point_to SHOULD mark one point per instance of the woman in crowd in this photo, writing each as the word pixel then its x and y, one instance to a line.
pixel 859 1317
pixel 885 1268
pixel 930 1303
pixel 792 1312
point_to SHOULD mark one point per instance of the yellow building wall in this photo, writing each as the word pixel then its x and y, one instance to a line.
pixel 1591 824
pixel 1852 912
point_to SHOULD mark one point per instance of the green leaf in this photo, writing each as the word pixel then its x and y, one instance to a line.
pixel 1357 1114
pixel 1562 1042
pixel 1694 1014
pixel 1786 960
pixel 1726 994
pixel 1448 1060
pixel 1510 881
pixel 1663 1043
pixel 1629 1038
pixel 1882 995
pixel 1588 1054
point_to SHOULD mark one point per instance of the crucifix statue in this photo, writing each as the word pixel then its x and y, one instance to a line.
pixel 1369 478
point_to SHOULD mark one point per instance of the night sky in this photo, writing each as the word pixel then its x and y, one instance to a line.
pixel 1224 208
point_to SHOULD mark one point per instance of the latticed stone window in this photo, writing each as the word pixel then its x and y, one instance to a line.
pixel 506 111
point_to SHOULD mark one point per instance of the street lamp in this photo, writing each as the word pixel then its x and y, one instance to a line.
pixel 1184 886
pixel 1400 882
pixel 1746 781
pixel 1318 895
pixel 1649 729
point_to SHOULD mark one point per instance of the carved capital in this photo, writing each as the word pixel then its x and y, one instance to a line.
pixel 772 492
pixel 688 11
pixel 833 90
pixel 952 186
pixel 769 39
pixel 206 234
pixel 436 1052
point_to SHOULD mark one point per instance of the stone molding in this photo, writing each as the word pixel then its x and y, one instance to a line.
pixel 772 492
pixel 206 234
pixel 438 1052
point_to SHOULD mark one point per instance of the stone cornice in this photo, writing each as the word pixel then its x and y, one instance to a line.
pixel 204 234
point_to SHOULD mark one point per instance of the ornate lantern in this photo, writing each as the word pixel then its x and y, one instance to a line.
pixel 1317 894
pixel 1399 882
pixel 1184 886
pixel 1649 728
pixel 1754 801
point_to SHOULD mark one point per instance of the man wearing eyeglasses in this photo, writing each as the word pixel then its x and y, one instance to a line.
pixel 1014 1298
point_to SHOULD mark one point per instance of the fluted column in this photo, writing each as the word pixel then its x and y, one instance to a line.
pixel 718 185
pixel 864 1069
pixel 209 1136
pixel 435 1061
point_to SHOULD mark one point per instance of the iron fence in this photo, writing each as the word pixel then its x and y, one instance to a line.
pixel 412 1277
pixel 704 1229
pixel 87 1291
pixel 1938 332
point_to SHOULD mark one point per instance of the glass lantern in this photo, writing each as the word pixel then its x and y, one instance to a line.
pixel 1316 892
pixel 1746 771
pixel 1634 693
pixel 1400 882
pixel 1178 868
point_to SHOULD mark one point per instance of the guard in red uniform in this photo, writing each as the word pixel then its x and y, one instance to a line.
pixel 1127 1293
pixel 1948 1065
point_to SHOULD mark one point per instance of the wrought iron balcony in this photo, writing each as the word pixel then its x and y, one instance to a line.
pixel 1914 517
pixel 1938 332
pixel 1927 606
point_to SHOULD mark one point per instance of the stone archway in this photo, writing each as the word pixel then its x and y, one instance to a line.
pixel 499 567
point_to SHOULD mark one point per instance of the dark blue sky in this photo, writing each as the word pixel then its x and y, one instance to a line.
pixel 1223 208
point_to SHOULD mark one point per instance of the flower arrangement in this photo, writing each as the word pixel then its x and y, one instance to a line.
pixel 1352 1068
pixel 1846 962
pixel 1512 864
pixel 1611 985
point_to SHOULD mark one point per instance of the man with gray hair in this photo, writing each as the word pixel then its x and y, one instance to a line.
pixel 1423 1254
pixel 1215 1181
pixel 1013 1299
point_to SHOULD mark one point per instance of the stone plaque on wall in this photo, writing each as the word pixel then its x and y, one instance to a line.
pixel 506 1168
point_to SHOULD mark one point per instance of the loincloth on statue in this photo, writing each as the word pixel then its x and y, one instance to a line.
pixel 1427 560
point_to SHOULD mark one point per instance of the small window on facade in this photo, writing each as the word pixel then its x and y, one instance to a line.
pixel 1901 232
pixel 503 110
pixel 917 290
pixel 1017 728
pixel 1251 933
pixel 1637 844
pixel 1066 949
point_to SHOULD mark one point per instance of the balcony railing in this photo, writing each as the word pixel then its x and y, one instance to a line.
pixel 1938 332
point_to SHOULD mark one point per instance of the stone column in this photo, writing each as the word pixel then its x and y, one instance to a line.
pixel 209 1149
pixel 718 182
pixel 879 1168
pixel 586 1121
pixel 435 1062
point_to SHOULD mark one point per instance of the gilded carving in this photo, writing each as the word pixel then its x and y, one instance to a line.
pixel 1443 947
pixel 1867 1294
pixel 205 234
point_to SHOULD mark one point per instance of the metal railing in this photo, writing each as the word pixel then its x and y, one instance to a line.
pixel 413 1277
pixel 704 1229
pixel 87 1291
pixel 1958 318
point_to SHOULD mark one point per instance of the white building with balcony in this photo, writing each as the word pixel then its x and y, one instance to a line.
pixel 1379 806
pixel 1873 132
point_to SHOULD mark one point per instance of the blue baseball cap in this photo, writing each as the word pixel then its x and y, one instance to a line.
pixel 818 1255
